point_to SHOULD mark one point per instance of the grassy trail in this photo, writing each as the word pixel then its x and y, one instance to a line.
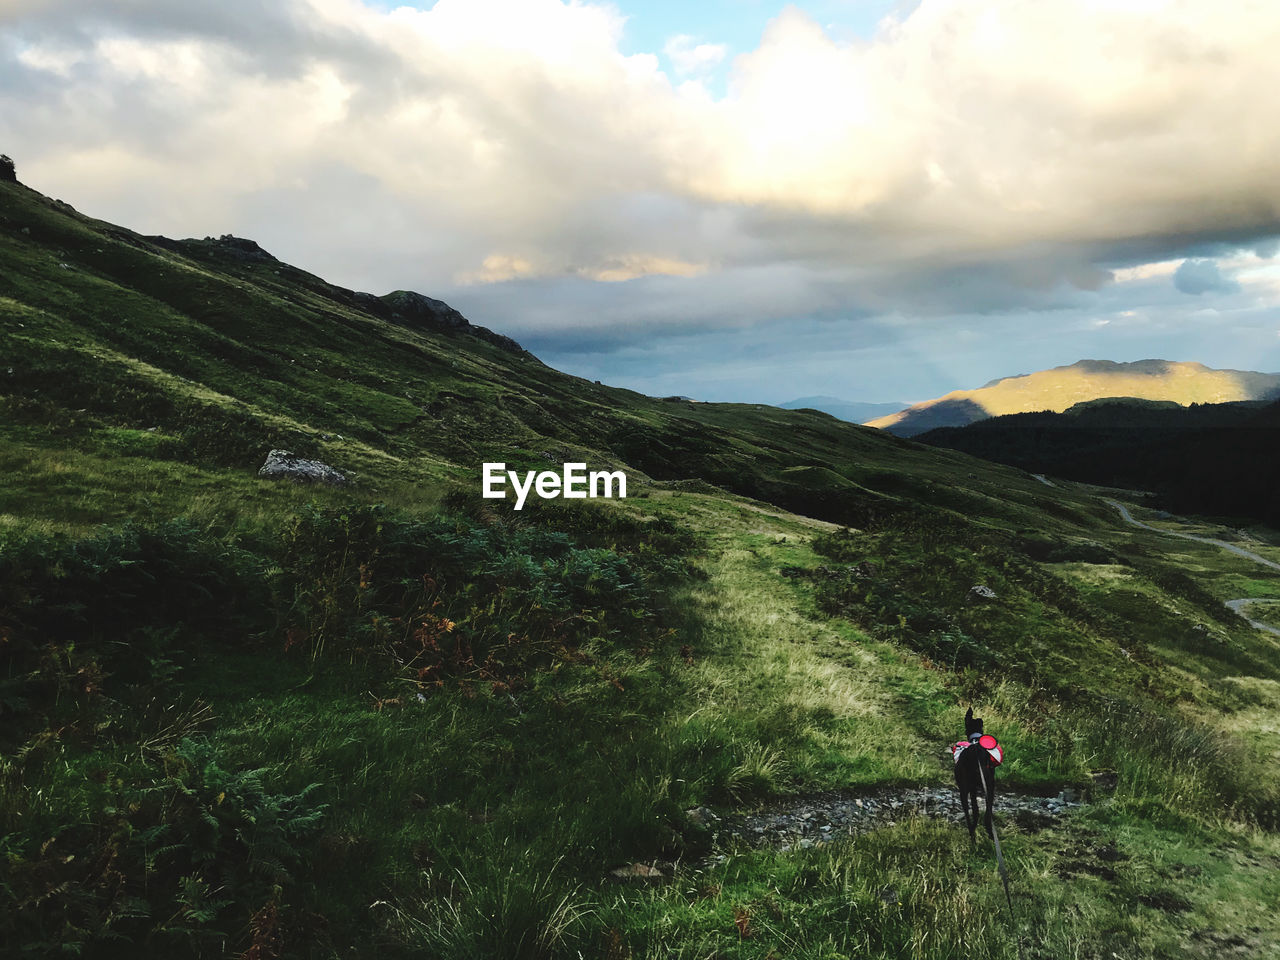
pixel 823 705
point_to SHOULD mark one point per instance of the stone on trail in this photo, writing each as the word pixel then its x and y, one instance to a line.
pixel 701 817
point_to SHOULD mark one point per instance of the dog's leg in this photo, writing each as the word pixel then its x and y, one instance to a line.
pixel 990 791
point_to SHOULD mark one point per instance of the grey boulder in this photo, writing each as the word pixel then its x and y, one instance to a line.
pixel 282 463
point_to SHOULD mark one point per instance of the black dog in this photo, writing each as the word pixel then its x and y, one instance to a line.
pixel 976 772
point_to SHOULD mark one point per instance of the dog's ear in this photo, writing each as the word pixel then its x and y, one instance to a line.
pixel 968 716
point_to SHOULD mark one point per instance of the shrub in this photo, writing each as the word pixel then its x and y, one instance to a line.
pixel 450 596
pixel 92 618
pixel 176 850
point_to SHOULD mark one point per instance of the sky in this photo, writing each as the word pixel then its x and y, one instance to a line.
pixel 877 200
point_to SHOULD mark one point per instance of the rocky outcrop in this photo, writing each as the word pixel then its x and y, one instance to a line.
pixel 241 248
pixel 8 172
pixel 223 248
pixel 499 340
pixel 422 312
pixel 283 464
pixel 415 310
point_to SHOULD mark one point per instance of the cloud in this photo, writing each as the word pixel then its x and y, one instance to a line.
pixel 977 158
pixel 632 266
pixel 499 268
pixel 692 59
pixel 1146 271
pixel 1197 276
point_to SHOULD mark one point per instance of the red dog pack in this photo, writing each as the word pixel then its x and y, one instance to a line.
pixel 986 741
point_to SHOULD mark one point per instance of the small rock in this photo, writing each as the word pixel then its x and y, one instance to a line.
pixel 1105 780
pixel 980 591
pixel 282 463
pixel 701 817
pixel 637 871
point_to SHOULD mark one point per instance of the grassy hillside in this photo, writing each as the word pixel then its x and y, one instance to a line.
pixel 246 718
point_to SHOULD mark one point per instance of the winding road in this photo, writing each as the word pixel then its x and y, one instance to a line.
pixel 1237 606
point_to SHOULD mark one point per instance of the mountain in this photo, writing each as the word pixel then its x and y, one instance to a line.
pixel 1062 387
pixel 208 353
pixel 854 411
pixel 388 717
pixel 1216 459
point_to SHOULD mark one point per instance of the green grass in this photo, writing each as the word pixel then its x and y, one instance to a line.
pixel 917 889
pixel 294 725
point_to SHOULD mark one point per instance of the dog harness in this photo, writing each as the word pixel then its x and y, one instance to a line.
pixel 986 741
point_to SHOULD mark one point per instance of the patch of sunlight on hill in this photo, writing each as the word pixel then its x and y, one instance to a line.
pixel 1062 387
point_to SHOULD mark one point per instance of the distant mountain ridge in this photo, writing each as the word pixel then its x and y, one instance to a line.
pixel 855 411
pixel 1058 389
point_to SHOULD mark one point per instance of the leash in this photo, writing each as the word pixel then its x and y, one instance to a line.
pixel 1004 873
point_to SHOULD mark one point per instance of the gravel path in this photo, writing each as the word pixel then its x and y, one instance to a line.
pixel 1237 606
pixel 819 818
pixel 1238 551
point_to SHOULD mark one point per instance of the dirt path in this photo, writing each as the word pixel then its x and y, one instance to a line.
pixel 1237 606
